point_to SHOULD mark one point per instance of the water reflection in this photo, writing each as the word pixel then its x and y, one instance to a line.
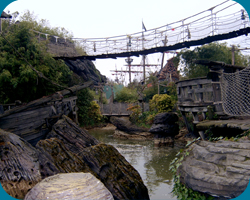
pixel 151 162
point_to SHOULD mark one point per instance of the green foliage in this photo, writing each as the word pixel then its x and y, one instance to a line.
pixel 152 87
pixel 212 51
pixel 136 112
pixel 89 111
pixel 180 190
pixel 172 92
pixel 144 119
pixel 17 80
pixel 161 103
pixel 244 135
pixel 97 96
pixel 126 95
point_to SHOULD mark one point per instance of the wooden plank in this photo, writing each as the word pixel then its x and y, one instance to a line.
pixel 27 115
pixel 193 109
pixel 191 82
pixel 46 99
pixel 216 92
pixel 200 90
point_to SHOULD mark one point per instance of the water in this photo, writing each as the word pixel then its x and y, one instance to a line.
pixel 151 162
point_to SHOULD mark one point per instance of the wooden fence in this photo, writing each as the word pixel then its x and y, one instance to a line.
pixel 120 109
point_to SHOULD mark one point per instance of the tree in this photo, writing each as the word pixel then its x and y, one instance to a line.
pixel 89 111
pixel 151 87
pixel 212 51
pixel 126 95
pixel 17 80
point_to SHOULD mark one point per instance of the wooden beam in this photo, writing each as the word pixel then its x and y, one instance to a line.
pixel 46 99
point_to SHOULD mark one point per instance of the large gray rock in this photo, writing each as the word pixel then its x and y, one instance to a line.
pixel 19 165
pixel 219 169
pixel 139 136
pixel 169 130
pixel 165 129
pixel 70 186
pixel 166 118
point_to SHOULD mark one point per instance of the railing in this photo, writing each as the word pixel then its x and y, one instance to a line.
pixel 119 109
pixel 194 95
pixel 209 23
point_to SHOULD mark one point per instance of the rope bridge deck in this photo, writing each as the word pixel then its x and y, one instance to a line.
pixel 210 25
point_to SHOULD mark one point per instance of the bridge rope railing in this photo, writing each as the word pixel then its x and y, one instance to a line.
pixel 211 22
pixel 235 92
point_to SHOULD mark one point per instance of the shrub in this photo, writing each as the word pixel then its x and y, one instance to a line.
pixel 136 112
pixel 161 103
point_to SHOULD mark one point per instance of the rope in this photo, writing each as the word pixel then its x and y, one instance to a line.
pixel 203 24
pixel 235 90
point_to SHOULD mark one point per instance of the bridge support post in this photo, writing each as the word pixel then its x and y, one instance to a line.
pixel 186 121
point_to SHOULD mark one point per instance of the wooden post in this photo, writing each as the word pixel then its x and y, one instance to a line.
pixel 144 68
pixel 186 122
pixel 233 54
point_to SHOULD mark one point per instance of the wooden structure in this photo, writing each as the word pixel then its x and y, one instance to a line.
pixel 200 94
pixel 34 120
pixel 118 109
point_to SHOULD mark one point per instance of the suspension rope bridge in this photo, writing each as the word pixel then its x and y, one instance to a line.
pixel 213 24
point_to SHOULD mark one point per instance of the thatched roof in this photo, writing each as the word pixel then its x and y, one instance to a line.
pixel 5 15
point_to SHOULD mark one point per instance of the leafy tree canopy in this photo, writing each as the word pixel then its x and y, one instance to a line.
pixel 17 80
pixel 126 95
pixel 212 51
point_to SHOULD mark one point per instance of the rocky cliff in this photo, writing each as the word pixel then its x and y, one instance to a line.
pixel 84 68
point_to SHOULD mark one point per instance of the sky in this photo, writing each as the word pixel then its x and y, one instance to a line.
pixel 105 18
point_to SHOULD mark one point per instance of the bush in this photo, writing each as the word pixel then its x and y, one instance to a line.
pixel 161 103
pixel 136 112
pixel 89 111
pixel 126 95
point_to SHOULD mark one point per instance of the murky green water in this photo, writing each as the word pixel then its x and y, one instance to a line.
pixel 151 162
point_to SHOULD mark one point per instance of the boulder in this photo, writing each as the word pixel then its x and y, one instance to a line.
pixel 123 124
pixel 165 129
pixel 19 165
pixel 164 141
pixel 166 118
pixel 73 137
pixel 220 169
pixel 70 186
pixel 139 136
pixel 168 130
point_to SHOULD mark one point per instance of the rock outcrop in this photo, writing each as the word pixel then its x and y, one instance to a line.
pixel 127 130
pixel 164 129
pixel 67 149
pixel 220 169
pixel 86 70
pixel 70 186
pixel 19 165
pixel 135 136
